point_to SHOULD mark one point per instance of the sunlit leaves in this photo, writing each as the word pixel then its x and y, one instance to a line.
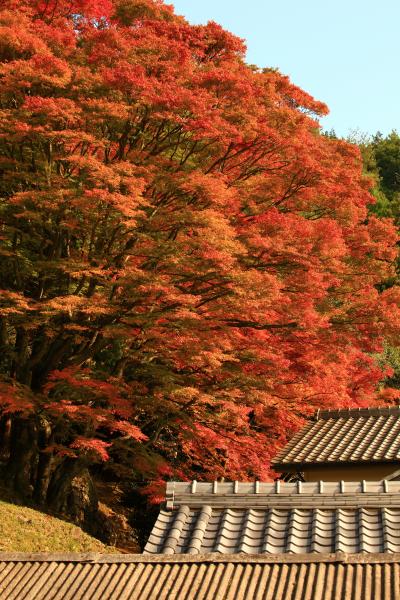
pixel 190 268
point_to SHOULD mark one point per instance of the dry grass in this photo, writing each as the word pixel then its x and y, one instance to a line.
pixel 24 529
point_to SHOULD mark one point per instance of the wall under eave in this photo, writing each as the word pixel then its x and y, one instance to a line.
pixel 349 472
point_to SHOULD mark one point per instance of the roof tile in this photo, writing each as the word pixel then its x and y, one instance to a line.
pixel 204 577
pixel 298 518
pixel 290 530
pixel 351 436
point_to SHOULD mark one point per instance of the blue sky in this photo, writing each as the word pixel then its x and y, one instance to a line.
pixel 343 52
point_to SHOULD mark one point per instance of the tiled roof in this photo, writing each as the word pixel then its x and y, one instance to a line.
pixel 344 436
pixel 139 577
pixel 273 518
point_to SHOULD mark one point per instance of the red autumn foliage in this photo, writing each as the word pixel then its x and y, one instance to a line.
pixel 189 267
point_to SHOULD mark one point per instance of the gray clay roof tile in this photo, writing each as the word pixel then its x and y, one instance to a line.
pixel 203 577
pixel 271 518
pixel 344 436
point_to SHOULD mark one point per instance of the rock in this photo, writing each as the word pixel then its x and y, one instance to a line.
pixel 117 530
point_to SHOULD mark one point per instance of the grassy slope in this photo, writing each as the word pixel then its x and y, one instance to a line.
pixel 24 529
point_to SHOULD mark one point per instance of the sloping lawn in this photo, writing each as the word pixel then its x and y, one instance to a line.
pixel 24 529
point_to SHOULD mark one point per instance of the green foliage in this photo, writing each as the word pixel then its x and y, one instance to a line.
pixel 387 157
pixel 381 162
pixel 390 357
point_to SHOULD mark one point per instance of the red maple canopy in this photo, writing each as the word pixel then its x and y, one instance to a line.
pixel 188 264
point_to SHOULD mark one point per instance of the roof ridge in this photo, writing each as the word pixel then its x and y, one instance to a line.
pixel 283 557
pixel 372 411
pixel 278 486
pixel 257 495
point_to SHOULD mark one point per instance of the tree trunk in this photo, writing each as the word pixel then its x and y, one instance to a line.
pixel 43 474
pixel 46 462
pixel 5 436
pixel 23 455
pixel 60 482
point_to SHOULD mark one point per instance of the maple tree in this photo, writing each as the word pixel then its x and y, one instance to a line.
pixel 188 268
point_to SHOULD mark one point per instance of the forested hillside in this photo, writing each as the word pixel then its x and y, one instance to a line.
pixel 188 267
pixel 381 162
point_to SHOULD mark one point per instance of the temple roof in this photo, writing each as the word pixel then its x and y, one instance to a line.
pixel 348 436
pixel 275 518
